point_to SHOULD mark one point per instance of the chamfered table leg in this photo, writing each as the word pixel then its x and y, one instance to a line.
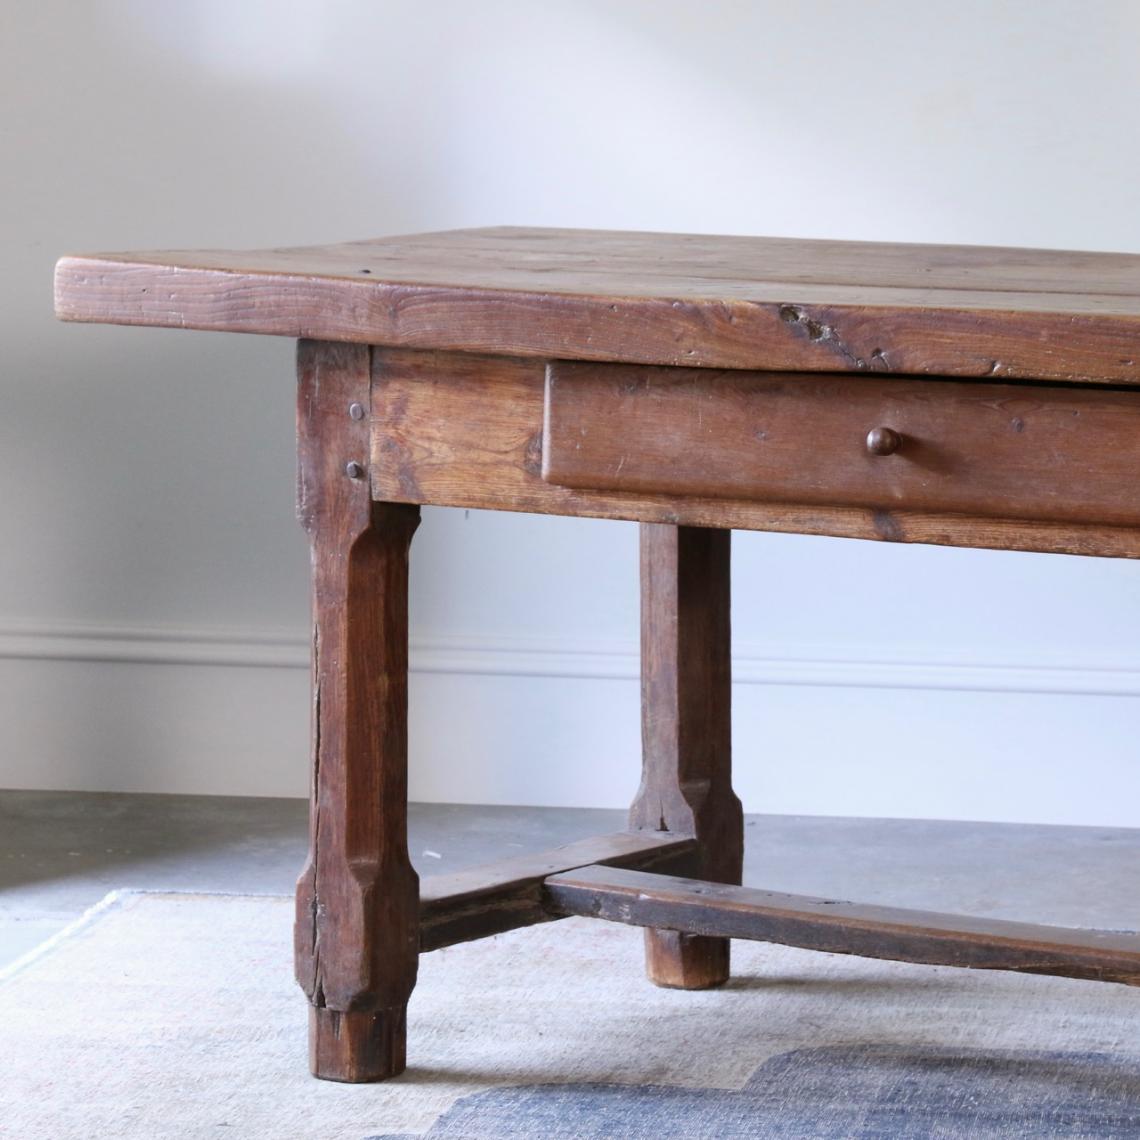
pixel 356 935
pixel 686 728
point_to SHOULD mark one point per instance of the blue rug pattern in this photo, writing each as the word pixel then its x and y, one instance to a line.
pixel 870 1092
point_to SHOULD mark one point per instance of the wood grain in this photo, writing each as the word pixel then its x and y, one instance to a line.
pixel 686 728
pixel 504 895
pixel 356 930
pixel 700 301
pixel 840 927
pixel 450 409
pixel 460 430
pixel 1052 453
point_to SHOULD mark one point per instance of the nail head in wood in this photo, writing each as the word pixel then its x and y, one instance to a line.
pixel 883 441
pixel 354 470
pixel 356 411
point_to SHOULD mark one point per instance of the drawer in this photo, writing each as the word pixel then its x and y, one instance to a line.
pixel 1017 451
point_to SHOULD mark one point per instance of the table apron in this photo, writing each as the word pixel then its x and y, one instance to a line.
pixel 1022 467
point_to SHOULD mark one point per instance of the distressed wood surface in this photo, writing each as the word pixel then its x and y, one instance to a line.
pixel 507 894
pixel 840 927
pixel 686 728
pixel 382 430
pixel 1053 453
pixel 701 301
pixel 462 430
pixel 356 928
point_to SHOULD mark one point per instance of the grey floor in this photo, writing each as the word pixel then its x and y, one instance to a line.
pixel 60 852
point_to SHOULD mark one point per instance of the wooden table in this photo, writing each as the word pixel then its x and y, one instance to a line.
pixel 952 395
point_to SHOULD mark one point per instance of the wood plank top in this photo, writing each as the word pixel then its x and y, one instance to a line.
pixel 696 300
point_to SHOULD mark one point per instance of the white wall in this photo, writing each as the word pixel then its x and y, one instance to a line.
pixel 153 597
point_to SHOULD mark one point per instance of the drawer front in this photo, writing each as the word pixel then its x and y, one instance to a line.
pixel 1017 451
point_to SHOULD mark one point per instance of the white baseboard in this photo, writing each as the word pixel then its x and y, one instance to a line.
pixel 152 645
pixel 590 659
pixel 550 721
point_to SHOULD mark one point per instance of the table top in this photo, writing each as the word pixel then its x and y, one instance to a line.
pixel 703 301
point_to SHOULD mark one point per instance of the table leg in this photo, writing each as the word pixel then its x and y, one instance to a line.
pixel 357 900
pixel 686 727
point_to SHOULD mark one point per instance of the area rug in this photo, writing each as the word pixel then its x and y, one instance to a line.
pixel 163 1015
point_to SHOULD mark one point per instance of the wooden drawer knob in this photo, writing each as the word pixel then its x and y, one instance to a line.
pixel 883 441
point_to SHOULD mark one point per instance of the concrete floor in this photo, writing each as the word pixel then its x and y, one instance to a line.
pixel 60 852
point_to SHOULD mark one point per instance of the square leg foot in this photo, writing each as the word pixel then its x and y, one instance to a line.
pixel 357 1047
pixel 686 961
